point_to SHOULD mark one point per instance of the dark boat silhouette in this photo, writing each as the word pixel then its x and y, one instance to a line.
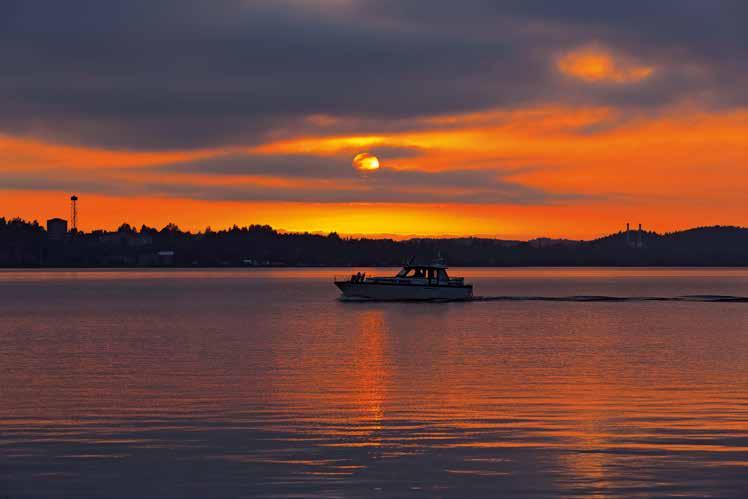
pixel 414 282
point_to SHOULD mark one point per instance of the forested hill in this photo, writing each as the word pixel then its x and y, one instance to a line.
pixel 709 246
pixel 24 244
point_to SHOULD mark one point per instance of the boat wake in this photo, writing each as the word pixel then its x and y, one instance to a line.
pixel 575 298
pixel 597 298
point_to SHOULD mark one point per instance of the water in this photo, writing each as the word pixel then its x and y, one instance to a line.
pixel 259 383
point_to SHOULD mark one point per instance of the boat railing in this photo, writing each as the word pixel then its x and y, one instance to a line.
pixel 361 277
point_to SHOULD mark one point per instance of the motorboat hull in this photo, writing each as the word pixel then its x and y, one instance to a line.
pixel 403 292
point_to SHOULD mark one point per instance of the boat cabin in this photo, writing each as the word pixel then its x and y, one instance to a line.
pixel 435 273
pixel 413 282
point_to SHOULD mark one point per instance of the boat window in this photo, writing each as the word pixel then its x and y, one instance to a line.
pixel 423 273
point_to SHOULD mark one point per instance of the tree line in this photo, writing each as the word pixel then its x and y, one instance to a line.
pixel 27 244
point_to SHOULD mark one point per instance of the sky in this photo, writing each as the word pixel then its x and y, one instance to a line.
pixel 511 119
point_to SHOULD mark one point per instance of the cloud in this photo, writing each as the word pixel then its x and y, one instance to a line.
pixel 292 178
pixel 178 74
pixel 345 184
pixel 595 65
pixel 308 166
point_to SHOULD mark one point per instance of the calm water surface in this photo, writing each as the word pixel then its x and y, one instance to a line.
pixel 260 383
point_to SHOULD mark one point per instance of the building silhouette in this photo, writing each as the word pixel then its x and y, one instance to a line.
pixel 634 243
pixel 57 229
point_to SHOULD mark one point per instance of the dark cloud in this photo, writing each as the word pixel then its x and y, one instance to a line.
pixel 289 165
pixel 493 193
pixel 184 73
pixel 317 179
pixel 277 165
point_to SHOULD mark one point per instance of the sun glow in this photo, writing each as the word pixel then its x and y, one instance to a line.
pixel 595 65
pixel 697 156
pixel 365 162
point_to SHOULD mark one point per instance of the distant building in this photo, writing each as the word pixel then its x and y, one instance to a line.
pixel 547 242
pixel 630 242
pixel 56 229
pixel 125 239
pixel 165 257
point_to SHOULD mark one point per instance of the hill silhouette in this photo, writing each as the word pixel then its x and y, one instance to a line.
pixel 27 244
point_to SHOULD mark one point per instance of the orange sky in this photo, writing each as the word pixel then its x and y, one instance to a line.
pixel 577 172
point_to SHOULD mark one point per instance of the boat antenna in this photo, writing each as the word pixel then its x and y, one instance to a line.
pixel 439 258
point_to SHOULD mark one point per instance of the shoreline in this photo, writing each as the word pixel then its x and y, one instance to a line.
pixel 368 266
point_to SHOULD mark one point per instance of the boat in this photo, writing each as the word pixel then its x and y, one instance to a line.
pixel 415 282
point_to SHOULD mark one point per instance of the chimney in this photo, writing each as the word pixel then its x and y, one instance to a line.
pixel 628 237
pixel 639 243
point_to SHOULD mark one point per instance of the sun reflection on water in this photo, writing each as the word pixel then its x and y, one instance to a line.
pixel 294 393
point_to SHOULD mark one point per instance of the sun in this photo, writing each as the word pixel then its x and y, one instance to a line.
pixel 365 162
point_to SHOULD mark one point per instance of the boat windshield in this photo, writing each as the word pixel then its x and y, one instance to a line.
pixel 423 273
pixel 408 272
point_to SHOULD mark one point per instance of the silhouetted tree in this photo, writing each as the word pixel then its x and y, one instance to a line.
pixel 25 244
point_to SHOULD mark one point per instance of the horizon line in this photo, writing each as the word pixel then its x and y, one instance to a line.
pixel 374 236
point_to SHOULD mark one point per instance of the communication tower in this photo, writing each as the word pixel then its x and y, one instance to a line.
pixel 74 213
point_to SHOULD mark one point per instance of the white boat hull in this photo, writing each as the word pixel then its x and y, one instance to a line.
pixel 399 292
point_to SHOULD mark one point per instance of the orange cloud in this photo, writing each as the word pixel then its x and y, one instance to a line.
pixel 595 65
pixel 19 153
